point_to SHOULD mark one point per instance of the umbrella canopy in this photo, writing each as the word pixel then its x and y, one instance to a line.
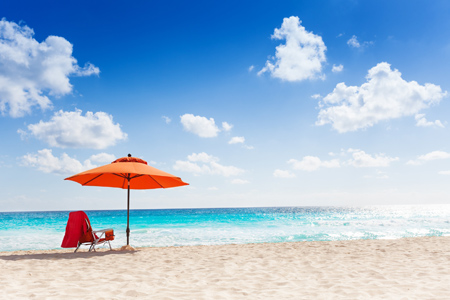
pixel 128 173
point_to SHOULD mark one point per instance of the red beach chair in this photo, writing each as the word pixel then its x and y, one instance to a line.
pixel 79 232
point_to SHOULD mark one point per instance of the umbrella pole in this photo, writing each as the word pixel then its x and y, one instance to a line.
pixel 128 214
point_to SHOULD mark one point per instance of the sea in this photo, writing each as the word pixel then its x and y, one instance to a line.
pixel 218 226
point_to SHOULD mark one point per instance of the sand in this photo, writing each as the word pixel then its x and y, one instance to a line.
pixel 411 268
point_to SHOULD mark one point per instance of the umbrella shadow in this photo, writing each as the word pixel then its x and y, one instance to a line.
pixel 64 255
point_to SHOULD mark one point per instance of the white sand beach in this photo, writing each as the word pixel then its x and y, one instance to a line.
pixel 410 268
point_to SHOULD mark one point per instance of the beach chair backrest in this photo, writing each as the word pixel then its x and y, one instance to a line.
pixel 88 236
pixel 76 229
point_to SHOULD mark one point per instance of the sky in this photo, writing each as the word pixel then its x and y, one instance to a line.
pixel 253 103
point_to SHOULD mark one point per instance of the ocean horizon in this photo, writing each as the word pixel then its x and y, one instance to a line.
pixel 44 230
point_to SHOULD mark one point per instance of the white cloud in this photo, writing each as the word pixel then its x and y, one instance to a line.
pixel 226 126
pixel 384 96
pixel 200 126
pixel 444 172
pixel 382 175
pixel 283 174
pixel 71 129
pixel 240 140
pixel 422 122
pixel 103 158
pixel 251 68
pixel 237 140
pixel 361 159
pixel 316 96
pixel 23 134
pixel 218 169
pixel 87 70
pixel 47 163
pixel 202 157
pixel 434 155
pixel 31 71
pixel 313 163
pixel 301 57
pixel 353 42
pixel 337 69
pixel 239 181
pixel 167 119
pixel 358 159
pixel 203 163
pixel 190 167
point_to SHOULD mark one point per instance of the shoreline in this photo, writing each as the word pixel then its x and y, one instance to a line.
pixel 412 268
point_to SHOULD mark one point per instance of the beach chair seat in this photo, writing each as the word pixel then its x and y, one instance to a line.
pixel 79 232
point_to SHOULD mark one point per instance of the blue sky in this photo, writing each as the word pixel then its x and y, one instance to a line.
pixel 262 103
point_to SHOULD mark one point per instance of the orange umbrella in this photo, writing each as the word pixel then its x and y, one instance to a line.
pixel 128 173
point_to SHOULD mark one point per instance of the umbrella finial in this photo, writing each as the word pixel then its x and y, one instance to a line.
pixel 129 155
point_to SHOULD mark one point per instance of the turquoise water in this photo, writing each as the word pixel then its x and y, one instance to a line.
pixel 180 227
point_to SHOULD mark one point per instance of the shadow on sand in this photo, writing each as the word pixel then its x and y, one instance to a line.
pixel 54 255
